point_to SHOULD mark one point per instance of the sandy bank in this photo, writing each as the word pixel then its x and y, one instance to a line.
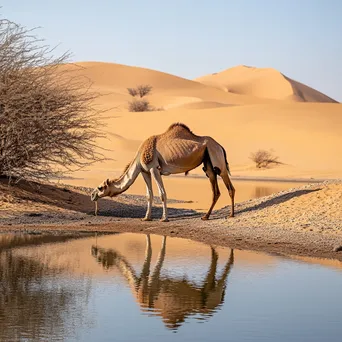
pixel 305 221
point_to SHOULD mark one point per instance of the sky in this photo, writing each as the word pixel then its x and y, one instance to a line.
pixel 188 38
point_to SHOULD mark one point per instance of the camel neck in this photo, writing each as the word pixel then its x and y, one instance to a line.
pixel 128 177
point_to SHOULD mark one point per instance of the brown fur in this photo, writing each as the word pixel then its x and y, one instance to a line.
pixel 147 150
pixel 179 124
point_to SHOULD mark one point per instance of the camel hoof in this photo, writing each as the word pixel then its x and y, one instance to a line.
pixel 164 220
pixel 204 218
pixel 231 215
pixel 146 219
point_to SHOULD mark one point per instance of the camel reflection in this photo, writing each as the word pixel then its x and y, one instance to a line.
pixel 174 300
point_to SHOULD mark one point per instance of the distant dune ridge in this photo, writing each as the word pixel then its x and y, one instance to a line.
pixel 169 91
pixel 264 83
pixel 239 85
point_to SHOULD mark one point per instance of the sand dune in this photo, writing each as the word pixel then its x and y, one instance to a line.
pixel 305 135
pixel 200 105
pixel 112 80
pixel 263 83
pixel 123 143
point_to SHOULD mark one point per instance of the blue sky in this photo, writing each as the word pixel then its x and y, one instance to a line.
pixel 188 38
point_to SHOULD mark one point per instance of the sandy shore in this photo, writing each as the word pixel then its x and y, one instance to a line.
pixel 303 221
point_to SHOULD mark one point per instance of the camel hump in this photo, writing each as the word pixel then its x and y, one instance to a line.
pixel 179 125
pixel 217 156
pixel 148 149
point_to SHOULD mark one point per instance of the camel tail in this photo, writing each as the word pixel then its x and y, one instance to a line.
pixel 225 158
pixel 216 154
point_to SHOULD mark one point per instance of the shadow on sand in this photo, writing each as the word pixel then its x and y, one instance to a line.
pixel 246 207
pixel 277 200
pixel 77 201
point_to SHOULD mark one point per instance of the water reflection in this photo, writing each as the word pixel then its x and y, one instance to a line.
pixel 8 241
pixel 33 305
pixel 261 191
pixel 172 299
pixel 87 289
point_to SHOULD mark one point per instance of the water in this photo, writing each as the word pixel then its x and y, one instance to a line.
pixel 134 287
pixel 197 191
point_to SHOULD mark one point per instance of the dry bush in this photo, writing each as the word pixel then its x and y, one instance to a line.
pixel 144 89
pixel 132 91
pixel 263 158
pixel 48 122
pixel 139 106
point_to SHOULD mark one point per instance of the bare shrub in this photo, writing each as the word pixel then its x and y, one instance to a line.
pixel 263 158
pixel 139 106
pixel 132 91
pixel 48 121
pixel 144 89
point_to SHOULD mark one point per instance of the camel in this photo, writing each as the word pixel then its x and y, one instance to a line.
pixel 173 299
pixel 177 150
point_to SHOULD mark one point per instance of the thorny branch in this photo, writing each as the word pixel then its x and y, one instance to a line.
pixel 48 119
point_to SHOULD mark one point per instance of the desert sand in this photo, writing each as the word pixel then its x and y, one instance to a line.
pixel 266 83
pixel 263 114
pixel 244 109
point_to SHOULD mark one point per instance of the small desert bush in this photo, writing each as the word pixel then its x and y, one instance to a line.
pixel 132 91
pixel 144 90
pixel 139 106
pixel 142 104
pixel 264 158
pixel 141 90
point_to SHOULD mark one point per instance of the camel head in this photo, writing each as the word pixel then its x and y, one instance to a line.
pixel 106 188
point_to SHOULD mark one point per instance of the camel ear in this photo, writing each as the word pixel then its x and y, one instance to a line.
pixel 107 182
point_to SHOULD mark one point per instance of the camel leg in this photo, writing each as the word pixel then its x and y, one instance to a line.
pixel 141 287
pixel 155 282
pixel 230 188
pixel 214 186
pixel 210 280
pixel 162 193
pixel 159 262
pixel 149 194
pixel 148 256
